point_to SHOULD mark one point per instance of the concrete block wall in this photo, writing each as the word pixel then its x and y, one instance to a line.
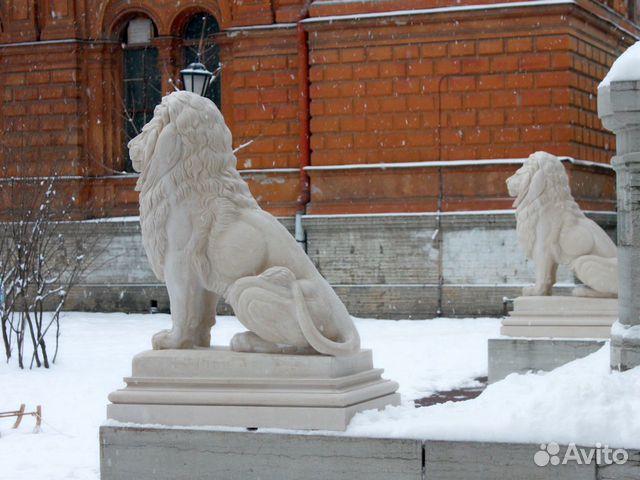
pixel 382 266
pixel 158 454
pixel 423 265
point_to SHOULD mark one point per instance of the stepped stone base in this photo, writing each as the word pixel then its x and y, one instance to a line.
pixel 559 316
pixel 219 387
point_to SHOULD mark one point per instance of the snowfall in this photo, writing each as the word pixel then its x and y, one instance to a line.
pixel 581 402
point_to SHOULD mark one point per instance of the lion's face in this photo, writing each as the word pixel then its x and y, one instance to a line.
pixel 519 181
pixel 142 146
pixel 519 184
pixel 150 151
pixel 183 125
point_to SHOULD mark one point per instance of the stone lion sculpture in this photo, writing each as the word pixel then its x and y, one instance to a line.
pixel 207 238
pixel 552 230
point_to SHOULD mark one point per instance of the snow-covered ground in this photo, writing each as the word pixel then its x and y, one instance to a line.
pixel 581 402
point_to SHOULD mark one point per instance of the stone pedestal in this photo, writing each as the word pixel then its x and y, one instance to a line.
pixel 220 387
pixel 522 355
pixel 547 332
pixel 619 109
pixel 561 317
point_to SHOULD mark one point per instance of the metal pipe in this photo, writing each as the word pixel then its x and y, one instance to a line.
pixel 299 233
pixel 303 110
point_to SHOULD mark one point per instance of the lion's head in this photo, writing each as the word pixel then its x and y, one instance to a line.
pixel 185 152
pixel 541 174
pixel 184 126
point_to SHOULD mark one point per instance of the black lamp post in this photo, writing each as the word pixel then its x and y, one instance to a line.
pixel 196 78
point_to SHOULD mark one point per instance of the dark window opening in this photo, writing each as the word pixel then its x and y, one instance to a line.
pixel 142 91
pixel 210 51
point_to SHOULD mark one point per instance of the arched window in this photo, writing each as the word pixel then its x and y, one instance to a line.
pixel 141 79
pixel 210 55
pixel 634 10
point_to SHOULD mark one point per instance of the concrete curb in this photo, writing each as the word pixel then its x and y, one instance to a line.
pixel 168 453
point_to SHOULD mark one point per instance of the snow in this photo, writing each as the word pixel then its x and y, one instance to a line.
pixel 268 170
pixel 341 2
pixel 132 218
pixel 626 332
pixel 625 68
pixel 440 214
pixel 39 42
pixel 233 31
pixel 581 402
pixel 448 163
pixel 427 11
pixel 69 177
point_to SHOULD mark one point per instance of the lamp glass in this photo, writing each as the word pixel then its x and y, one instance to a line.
pixel 196 78
pixel 199 84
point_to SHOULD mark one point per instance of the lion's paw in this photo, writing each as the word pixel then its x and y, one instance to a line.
pixel 167 340
pixel 250 342
pixel 534 291
pixel 204 338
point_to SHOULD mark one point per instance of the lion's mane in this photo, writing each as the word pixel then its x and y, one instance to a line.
pixel 556 196
pixel 201 168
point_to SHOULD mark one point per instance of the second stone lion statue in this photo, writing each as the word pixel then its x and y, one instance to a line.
pixel 552 230
pixel 206 237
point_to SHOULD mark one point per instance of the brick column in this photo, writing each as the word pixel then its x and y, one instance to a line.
pixel 168 55
pixel 619 109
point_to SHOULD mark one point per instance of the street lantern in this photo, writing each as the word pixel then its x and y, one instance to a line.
pixel 196 78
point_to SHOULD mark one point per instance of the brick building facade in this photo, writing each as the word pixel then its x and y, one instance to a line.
pixel 389 81
pixel 351 106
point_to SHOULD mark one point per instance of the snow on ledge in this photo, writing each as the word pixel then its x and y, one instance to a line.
pixel 438 214
pixel 133 218
pixel 427 11
pixel 234 31
pixel 265 171
pixel 626 67
pixel 625 332
pixel 448 163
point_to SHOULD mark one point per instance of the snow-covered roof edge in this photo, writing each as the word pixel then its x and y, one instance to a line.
pixel 427 11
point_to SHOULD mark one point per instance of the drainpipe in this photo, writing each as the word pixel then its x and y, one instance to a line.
pixel 303 124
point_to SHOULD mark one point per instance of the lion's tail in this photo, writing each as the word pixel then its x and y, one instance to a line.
pixel 599 273
pixel 315 337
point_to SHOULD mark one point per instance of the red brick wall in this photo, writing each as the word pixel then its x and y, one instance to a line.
pixel 453 86
pixel 463 85
pixel 41 125
pixel 262 107
pixel 591 54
